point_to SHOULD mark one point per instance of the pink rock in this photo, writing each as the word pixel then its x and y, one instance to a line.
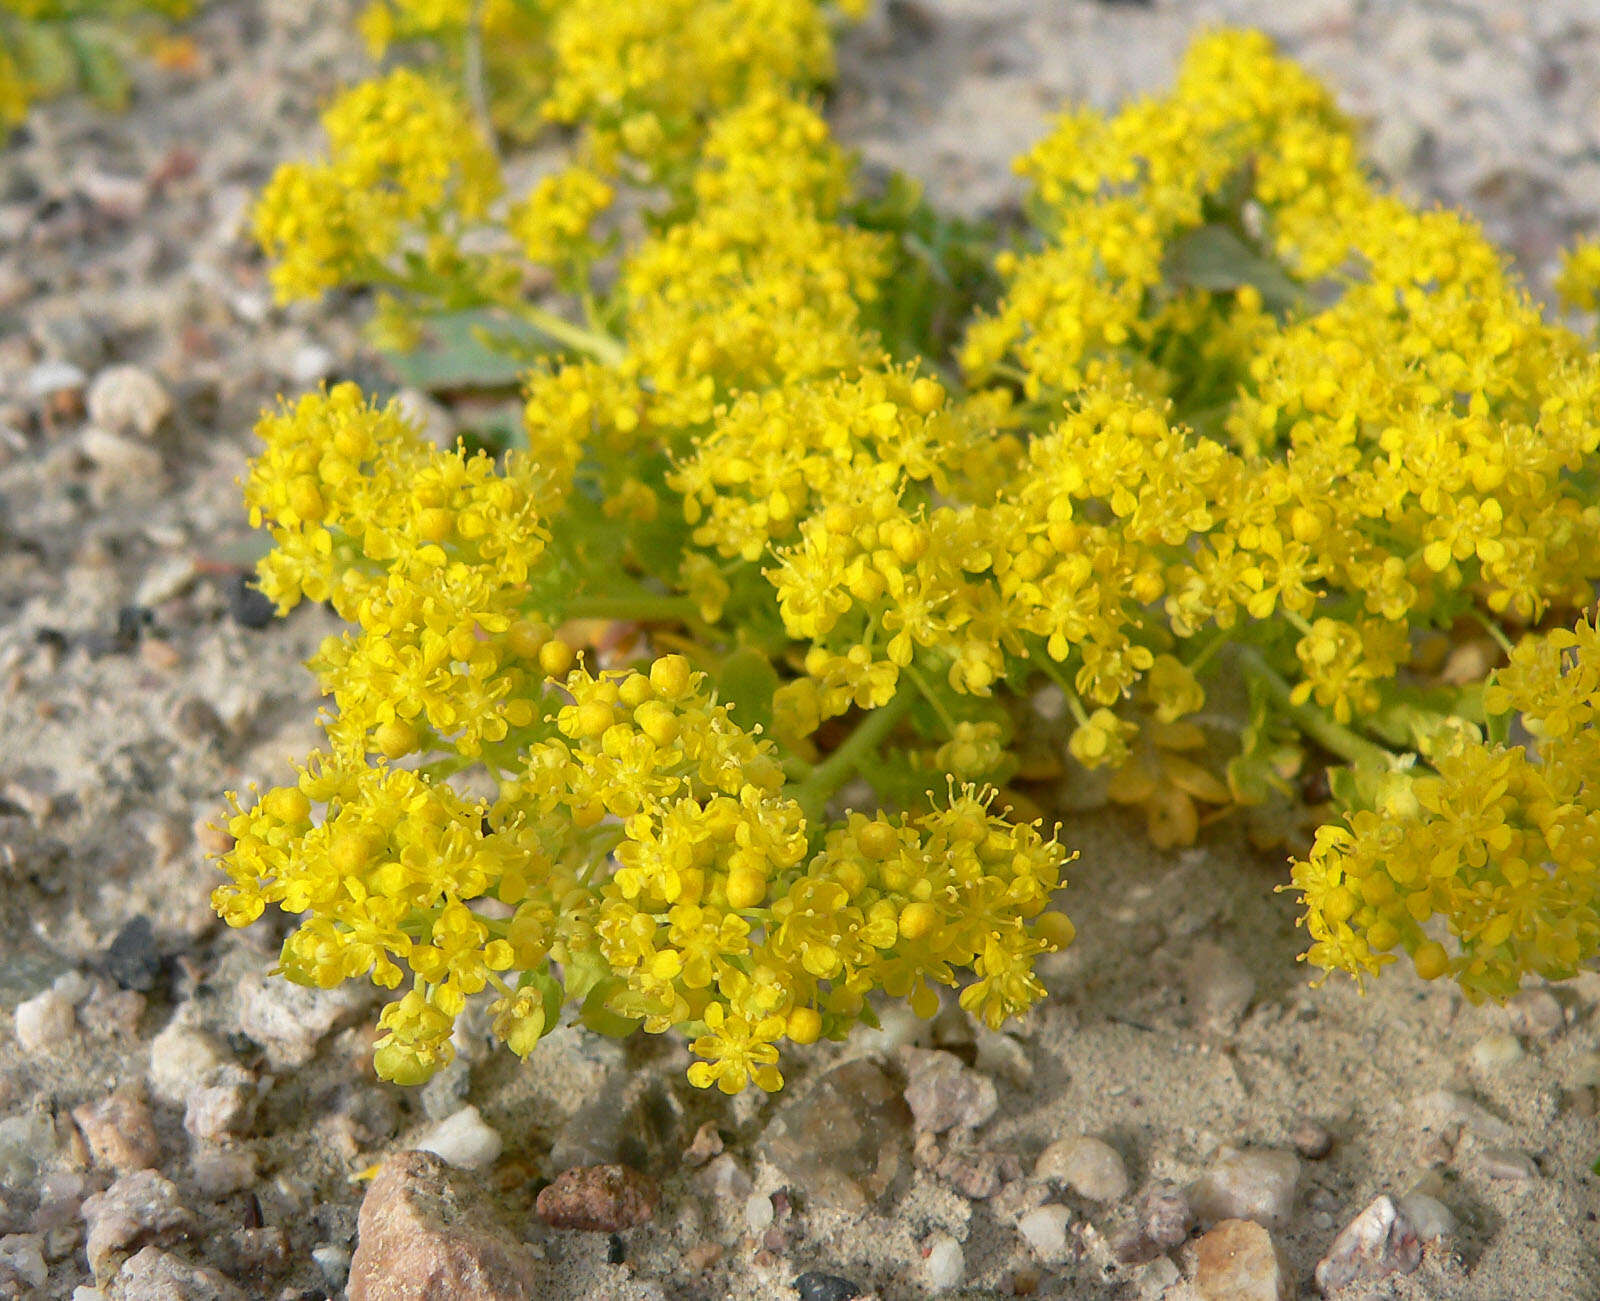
pixel 427 1233
pixel 602 1198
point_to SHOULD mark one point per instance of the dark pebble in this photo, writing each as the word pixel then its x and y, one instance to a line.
pixel 133 960
pixel 616 1253
pixel 246 605
pixel 816 1286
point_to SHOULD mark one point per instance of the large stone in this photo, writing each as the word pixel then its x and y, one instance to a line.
pixel 1238 1261
pixel 843 1142
pixel 1379 1242
pixel 427 1233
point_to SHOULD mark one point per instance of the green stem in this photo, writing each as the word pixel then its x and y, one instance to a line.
pixel 926 691
pixel 1211 648
pixel 1331 736
pixel 832 773
pixel 1054 672
pixel 602 347
pixel 472 75
pixel 1492 628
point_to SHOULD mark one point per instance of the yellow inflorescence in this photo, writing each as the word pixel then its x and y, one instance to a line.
pixel 1500 847
pixel 407 168
pixel 1240 418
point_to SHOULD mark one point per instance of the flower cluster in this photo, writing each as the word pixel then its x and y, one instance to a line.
pixel 1237 416
pixel 407 168
pixel 1497 851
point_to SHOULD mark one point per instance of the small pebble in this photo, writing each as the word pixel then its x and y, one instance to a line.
pixel 48 378
pixel 333 1260
pixel 45 1021
pixel 1311 1140
pixel 126 400
pixel 133 959
pixel 723 1180
pixel 1218 985
pixel 1090 1167
pixel 1238 1261
pixel 465 1140
pixel 247 606
pixel 1495 1052
pixel 22 1256
pixel 1507 1163
pixel 814 1285
pixel 706 1144
pixel 155 1275
pixel 1044 1229
pixel 944 1264
pixel 944 1094
pixel 223 1105
pixel 139 1208
pixel 1378 1243
pixel 1535 1014
pixel 218 1173
pixel 599 1198
pixel 119 1131
pixel 1165 1216
pixel 1430 1217
pixel 1248 1184
pixel 180 1057
pixel 758 1213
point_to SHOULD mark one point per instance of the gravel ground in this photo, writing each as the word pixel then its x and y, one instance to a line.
pixel 174 1126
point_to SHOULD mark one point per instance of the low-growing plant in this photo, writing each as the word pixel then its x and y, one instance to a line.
pixel 722 701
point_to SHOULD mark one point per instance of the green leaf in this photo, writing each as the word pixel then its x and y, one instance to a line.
pixel 549 990
pixel 746 680
pixel 597 1015
pixel 476 349
pixel 100 70
pixel 1214 257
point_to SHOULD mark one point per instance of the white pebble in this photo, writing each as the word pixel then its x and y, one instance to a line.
pixel 23 1255
pixel 127 400
pixel 1090 1167
pixel 1431 1218
pixel 44 1021
pixel 758 1211
pixel 1494 1052
pixel 1507 1163
pixel 463 1140
pixel 1044 1229
pixel 945 1265
pixel 180 1058
pixel 1249 1184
